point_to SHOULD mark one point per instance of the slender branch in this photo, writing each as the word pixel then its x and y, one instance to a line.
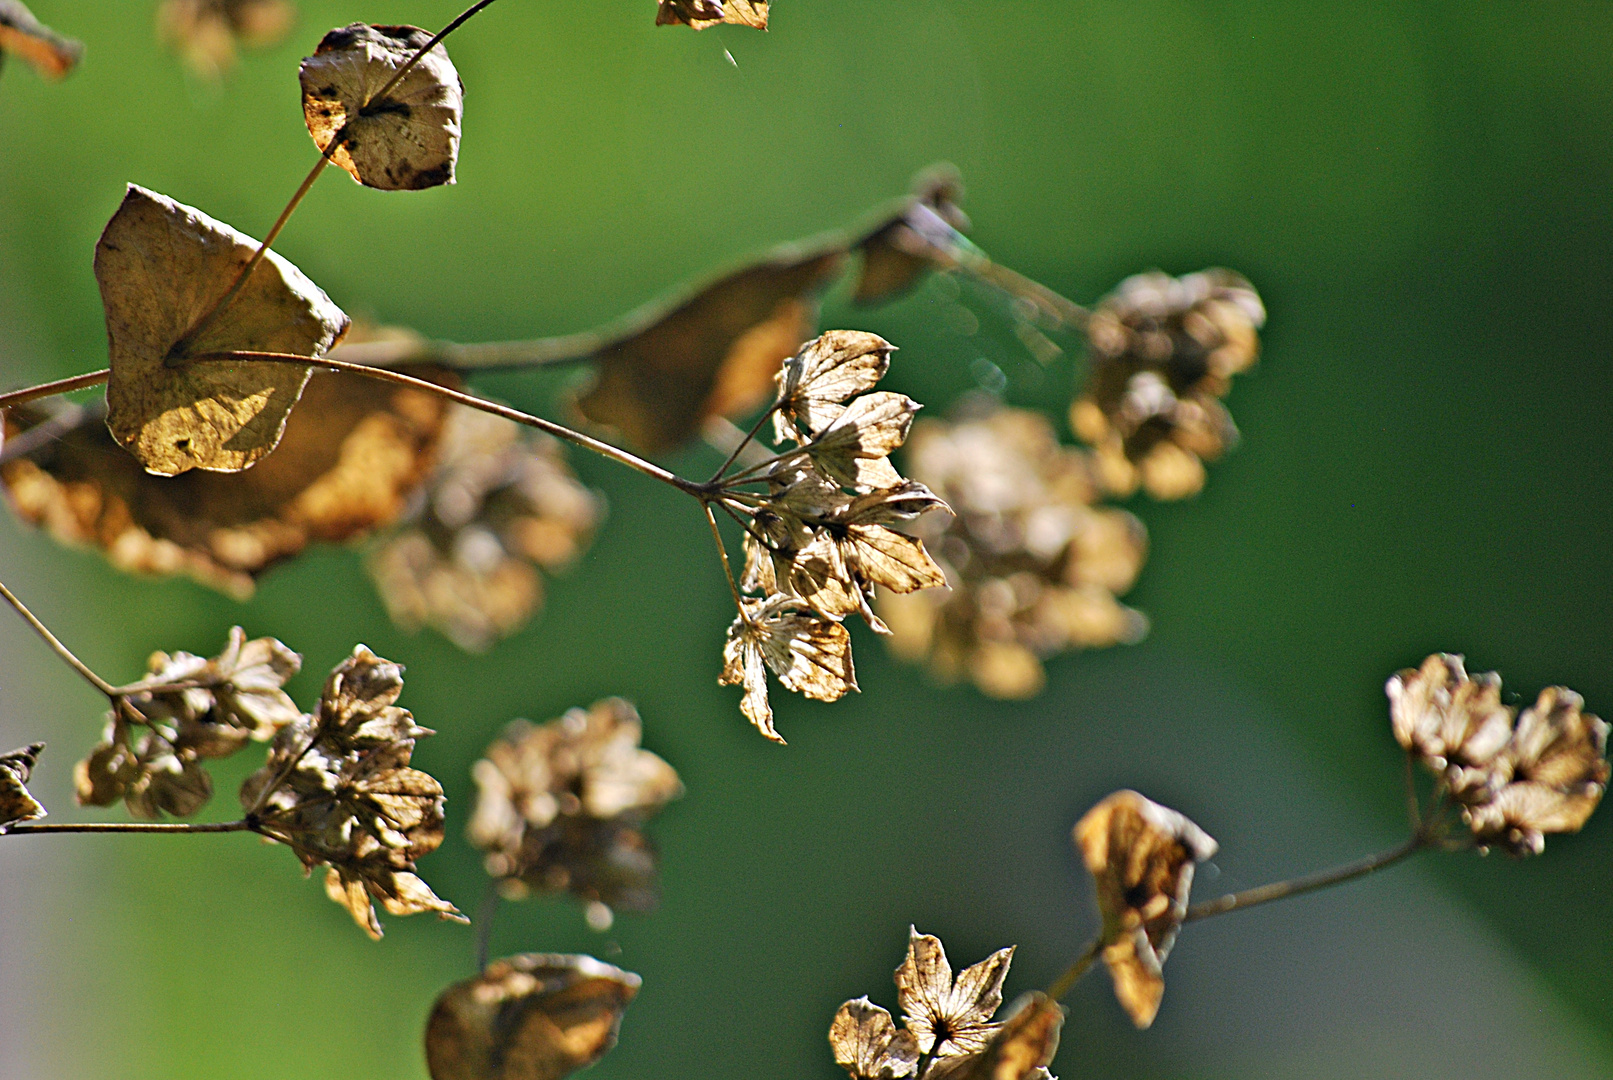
pixel 61 650
pixel 560 431
pixel 733 587
pixel 23 827
pixel 459 20
pixel 50 389
pixel 485 356
pixel 1073 973
pixel 750 437
pixel 1281 890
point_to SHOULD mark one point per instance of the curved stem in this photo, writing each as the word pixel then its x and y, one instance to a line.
pixel 60 386
pixel 750 437
pixel 1073 973
pixel 126 827
pixel 61 650
pixel 722 550
pixel 486 356
pixel 459 20
pixel 560 431
pixel 1281 890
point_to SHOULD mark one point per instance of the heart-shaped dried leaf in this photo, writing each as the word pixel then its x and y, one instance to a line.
pixel 17 803
pixel 407 139
pixel 162 266
pixel 713 352
pixel 354 453
pixel 531 1017
pixel 700 14
pixel 51 54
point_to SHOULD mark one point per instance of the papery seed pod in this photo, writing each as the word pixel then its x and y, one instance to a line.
pixel 17 803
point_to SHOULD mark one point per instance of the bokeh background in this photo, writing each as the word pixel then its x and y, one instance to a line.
pixel 1420 189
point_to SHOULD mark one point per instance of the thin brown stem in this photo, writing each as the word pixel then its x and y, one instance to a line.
pixel 21 828
pixel 1281 890
pixel 750 437
pixel 1073 973
pixel 50 389
pixel 604 449
pixel 397 77
pixel 722 550
pixel 61 650
pixel 485 356
pixel 176 354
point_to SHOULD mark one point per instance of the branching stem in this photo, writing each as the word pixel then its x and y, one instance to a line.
pixel 61 650
pixel 1282 890
pixel 1073 973
pixel 21 828
pixel 60 386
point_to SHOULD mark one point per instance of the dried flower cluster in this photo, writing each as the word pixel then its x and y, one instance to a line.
pixel 1162 352
pixel 501 504
pixel 337 788
pixel 1141 856
pixel 1035 567
pixel 1516 777
pixel 819 540
pixel 207 33
pixel 559 808
pixel 187 710
pixel 949 1030
pixel 537 1016
pixel 17 803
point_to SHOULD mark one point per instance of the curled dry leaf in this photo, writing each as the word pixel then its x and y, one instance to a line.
pixel 1549 779
pixel 187 710
pixel 1035 568
pixel 672 365
pixel 207 33
pixel 17 803
pixel 1141 856
pixel 1162 352
pixel 810 655
pixel 501 504
pixel 161 267
pixel 51 54
pixel 559 805
pixel 337 788
pixel 700 14
pixel 536 1016
pixel 949 1016
pixel 868 1045
pixel 404 141
pixel 354 453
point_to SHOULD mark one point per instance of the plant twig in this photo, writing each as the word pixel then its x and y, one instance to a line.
pixel 1073 973
pixel 1281 890
pixel 50 389
pixel 22 827
pixel 728 571
pixel 61 650
pixel 750 437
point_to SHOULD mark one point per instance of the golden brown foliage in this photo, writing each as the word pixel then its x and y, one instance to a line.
pixel 207 33
pixel 559 805
pixel 700 14
pixel 530 1017
pixel 187 710
pixel 161 267
pixel 1141 856
pixel 1161 353
pixel 1034 566
pixel 337 788
pixel 405 141
pixel 354 452
pixel 51 54
pixel 17 803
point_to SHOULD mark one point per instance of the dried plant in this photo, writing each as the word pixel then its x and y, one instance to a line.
pixel 208 34
pixel 701 14
pixel 51 54
pixel 17 803
pixel 1034 565
pixel 559 808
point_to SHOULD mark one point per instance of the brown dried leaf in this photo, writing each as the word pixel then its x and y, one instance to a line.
pixel 809 654
pixel 946 1016
pixel 51 54
pixel 161 266
pixel 672 365
pixel 206 33
pixel 912 237
pixel 529 1017
pixel 854 448
pixel 16 802
pixel 1141 856
pixel 700 14
pixel 868 1045
pixel 354 452
pixel 1021 1049
pixel 406 141
pixel 815 383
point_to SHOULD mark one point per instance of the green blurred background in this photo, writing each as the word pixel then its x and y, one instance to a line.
pixel 1420 190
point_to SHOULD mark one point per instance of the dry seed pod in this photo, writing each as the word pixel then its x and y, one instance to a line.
pixel 161 267
pixel 51 54
pixel 405 141
pixel 206 33
pixel 17 803
pixel 1141 856
pixel 536 1016
pixel 1454 724
pixel 353 454
pixel 672 365
pixel 700 14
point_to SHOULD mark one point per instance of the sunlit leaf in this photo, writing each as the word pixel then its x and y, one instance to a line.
pixel 51 54
pixel 701 14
